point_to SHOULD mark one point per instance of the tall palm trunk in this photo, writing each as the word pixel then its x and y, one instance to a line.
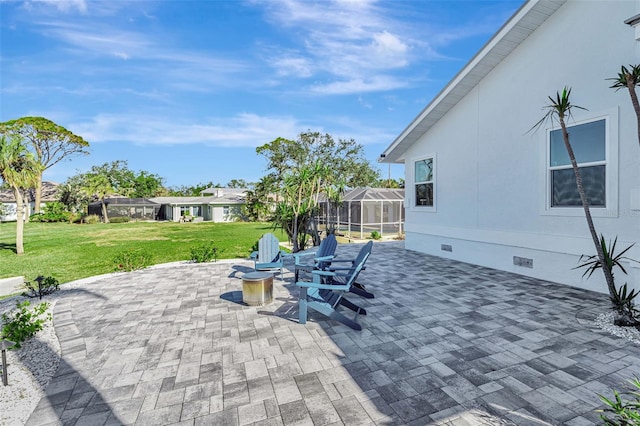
pixel 19 220
pixel 634 100
pixel 38 195
pixel 587 212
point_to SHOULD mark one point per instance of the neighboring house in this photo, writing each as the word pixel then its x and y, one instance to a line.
pixel 224 205
pixel 481 188
pixel 364 210
pixel 8 200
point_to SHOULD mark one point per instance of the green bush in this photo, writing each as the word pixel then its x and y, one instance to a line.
pixel 120 219
pixel 41 286
pixel 204 253
pixel 131 260
pixel 52 212
pixel 624 411
pixel 23 323
pixel 91 219
pixel 375 235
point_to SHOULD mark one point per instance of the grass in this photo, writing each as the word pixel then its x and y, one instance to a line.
pixel 70 251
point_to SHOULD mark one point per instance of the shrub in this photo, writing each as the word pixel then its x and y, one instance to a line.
pixel 625 412
pixel 204 253
pixel 119 219
pixel 23 323
pixel 91 219
pixel 131 260
pixel 375 235
pixel 41 287
pixel 52 212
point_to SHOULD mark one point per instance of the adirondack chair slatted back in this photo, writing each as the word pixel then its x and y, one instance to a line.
pixel 327 248
pixel 268 249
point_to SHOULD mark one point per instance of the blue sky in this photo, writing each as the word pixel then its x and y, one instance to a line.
pixel 189 89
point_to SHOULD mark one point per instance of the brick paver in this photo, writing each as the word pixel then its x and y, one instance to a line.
pixel 443 343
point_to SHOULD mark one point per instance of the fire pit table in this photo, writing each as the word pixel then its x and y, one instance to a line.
pixel 257 288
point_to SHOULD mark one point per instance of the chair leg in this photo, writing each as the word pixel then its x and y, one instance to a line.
pixel 348 304
pixel 360 290
pixel 302 305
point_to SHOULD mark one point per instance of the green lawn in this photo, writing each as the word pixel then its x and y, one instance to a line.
pixel 71 251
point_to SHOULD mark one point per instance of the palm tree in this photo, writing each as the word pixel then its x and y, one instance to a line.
pixel 629 78
pixel 19 170
pixel 560 109
pixel 99 185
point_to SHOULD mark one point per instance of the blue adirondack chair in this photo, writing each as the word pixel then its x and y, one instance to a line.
pixel 269 257
pixel 326 292
pixel 356 288
pixel 321 258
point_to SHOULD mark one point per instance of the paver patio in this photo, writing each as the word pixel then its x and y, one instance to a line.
pixel 443 343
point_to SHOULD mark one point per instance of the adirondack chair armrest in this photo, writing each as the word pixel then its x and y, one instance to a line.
pixel 322 286
pixel 343 260
pixel 299 256
pixel 253 255
pixel 323 258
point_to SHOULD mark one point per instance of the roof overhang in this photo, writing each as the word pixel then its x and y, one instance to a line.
pixel 524 22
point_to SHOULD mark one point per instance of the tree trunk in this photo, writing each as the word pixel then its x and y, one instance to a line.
pixel 105 218
pixel 587 212
pixel 19 221
pixel 295 248
pixel 634 100
pixel 38 195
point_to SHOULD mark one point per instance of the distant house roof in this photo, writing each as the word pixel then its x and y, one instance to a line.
pixel 372 194
pixel 219 192
pixel 49 193
pixel 122 201
pixel 234 198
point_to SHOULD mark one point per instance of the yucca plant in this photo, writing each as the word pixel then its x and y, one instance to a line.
pixel 629 78
pixel 622 299
pixel 559 109
pixel 623 412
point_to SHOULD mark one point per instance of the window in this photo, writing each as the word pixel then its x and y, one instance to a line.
pixel 588 141
pixel 225 210
pixel 423 181
pixel 197 210
pixel 185 211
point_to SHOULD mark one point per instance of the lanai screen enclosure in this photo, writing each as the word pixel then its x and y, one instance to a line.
pixel 364 210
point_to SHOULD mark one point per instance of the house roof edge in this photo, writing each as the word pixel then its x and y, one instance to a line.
pixel 481 64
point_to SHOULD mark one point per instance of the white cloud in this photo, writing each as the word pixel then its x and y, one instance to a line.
pixel 243 130
pixel 62 5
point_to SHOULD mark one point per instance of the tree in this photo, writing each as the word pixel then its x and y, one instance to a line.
pixel 20 170
pixel 50 142
pixel 146 185
pixel 238 183
pixel 193 190
pixel 629 78
pixel 99 185
pixel 342 164
pixel 259 200
pixel 559 109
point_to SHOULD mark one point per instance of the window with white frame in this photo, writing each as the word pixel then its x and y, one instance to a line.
pixel 225 210
pixel 423 182
pixel 589 143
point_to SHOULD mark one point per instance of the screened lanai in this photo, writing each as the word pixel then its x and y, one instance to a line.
pixel 365 210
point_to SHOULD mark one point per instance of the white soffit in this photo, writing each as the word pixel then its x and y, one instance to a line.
pixel 524 22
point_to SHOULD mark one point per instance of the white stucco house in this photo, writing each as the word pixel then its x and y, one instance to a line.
pixel 481 188
pixel 215 204
pixel 8 200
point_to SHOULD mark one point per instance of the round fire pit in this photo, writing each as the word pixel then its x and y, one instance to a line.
pixel 257 288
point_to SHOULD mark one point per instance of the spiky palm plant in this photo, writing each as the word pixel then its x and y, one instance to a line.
pixel 629 78
pixel 560 109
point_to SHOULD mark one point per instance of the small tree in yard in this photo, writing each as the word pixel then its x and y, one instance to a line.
pixel 20 171
pixel 559 109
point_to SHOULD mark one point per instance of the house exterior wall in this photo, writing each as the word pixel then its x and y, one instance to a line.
pixel 490 173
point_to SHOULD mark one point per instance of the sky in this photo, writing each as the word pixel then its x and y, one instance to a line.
pixel 188 89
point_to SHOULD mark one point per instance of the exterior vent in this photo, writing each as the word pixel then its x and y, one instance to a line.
pixel 446 247
pixel 523 261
